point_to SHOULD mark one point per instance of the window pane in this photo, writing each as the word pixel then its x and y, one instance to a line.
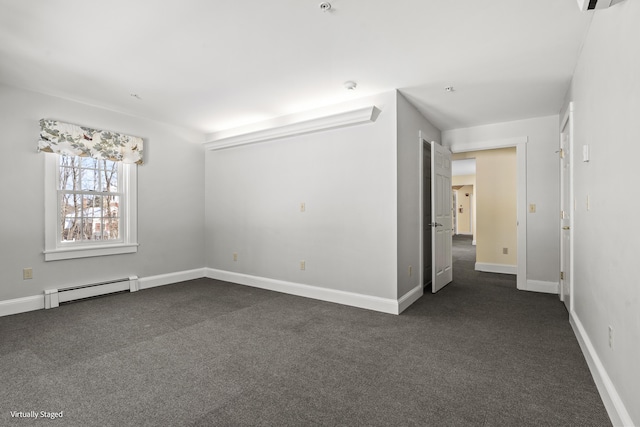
pixel 67 178
pixel 88 162
pixel 92 206
pixel 69 161
pixel 111 206
pixel 111 228
pixel 109 176
pixel 88 179
pixel 70 217
pixel 71 228
pixel 87 229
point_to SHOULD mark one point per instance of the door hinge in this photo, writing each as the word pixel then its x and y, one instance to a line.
pixel 562 153
pixel 562 275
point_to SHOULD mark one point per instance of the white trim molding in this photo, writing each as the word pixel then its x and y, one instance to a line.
pixel 612 402
pixel 21 305
pixel 384 305
pixel 409 298
pixel 542 286
pixel 488 145
pixel 333 121
pixel 496 268
pixel 170 278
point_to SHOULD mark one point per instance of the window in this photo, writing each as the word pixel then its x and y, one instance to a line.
pixel 90 207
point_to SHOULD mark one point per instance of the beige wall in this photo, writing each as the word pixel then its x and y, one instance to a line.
pixel 495 194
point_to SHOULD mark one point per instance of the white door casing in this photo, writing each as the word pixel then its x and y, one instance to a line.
pixel 442 217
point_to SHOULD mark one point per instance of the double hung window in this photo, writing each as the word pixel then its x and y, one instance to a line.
pixel 90 207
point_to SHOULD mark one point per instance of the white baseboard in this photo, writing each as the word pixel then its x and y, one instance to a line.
pixel 409 298
pixel 21 305
pixel 613 403
pixel 37 302
pixel 496 268
pixel 542 286
pixel 169 278
pixel 385 305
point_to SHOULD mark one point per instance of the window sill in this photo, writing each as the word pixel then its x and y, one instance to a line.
pixel 89 251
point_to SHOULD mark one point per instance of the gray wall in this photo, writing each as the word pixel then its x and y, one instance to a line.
pixel 410 123
pixel 170 189
pixel 606 95
pixel 347 179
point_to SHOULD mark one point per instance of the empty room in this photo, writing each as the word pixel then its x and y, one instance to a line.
pixel 244 213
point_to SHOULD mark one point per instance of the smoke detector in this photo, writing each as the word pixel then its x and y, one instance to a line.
pixel 325 6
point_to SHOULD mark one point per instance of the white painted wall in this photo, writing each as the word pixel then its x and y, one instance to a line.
pixel 543 183
pixel 606 95
pixel 347 179
pixel 410 124
pixel 170 189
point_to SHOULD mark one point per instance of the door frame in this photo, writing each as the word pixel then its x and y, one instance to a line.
pixel 567 120
pixel 520 143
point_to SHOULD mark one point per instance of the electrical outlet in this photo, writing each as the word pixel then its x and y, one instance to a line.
pixel 235 257
pixel 303 265
pixel 27 273
pixel 611 337
pixel 505 251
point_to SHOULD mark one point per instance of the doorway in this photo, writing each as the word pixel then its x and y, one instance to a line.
pixel 521 197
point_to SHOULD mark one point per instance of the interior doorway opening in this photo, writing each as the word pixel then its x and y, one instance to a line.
pixel 517 246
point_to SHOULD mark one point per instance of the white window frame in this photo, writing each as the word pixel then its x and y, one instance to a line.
pixel 56 250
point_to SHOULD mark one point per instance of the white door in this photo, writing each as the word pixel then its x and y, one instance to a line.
pixel 566 213
pixel 442 260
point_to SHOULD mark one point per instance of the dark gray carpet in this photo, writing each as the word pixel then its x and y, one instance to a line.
pixel 209 353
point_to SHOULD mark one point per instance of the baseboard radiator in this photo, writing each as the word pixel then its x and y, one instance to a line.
pixel 54 297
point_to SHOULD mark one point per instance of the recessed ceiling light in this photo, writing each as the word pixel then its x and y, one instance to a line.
pixel 350 85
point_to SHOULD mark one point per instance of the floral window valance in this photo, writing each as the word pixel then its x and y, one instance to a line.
pixel 65 138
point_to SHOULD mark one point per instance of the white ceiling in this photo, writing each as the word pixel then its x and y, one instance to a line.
pixel 212 64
